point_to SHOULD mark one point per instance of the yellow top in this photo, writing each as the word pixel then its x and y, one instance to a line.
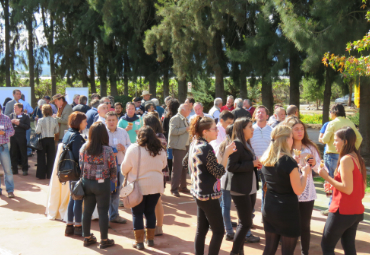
pixel 333 126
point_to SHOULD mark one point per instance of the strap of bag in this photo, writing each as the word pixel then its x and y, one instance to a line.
pixel 138 167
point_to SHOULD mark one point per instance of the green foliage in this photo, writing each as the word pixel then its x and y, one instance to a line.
pixel 123 100
pixel 311 119
pixel 312 90
pixel 355 118
pixel 203 89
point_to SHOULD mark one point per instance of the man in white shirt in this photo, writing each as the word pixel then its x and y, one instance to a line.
pixel 118 139
pixel 226 118
pixel 102 111
pixel 216 109
pixel 190 102
pixel 198 109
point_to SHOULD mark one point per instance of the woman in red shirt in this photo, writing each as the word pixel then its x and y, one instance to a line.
pixel 346 209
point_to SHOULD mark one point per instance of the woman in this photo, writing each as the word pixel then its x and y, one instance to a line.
pixel 77 122
pixel 241 179
pixel 349 182
pixel 152 157
pixel 37 113
pixel 172 108
pixel 47 127
pixel 153 122
pixel 284 183
pixel 205 172
pixel 302 143
pixel 98 169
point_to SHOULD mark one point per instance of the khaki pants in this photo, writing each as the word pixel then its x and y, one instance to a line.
pixel 178 171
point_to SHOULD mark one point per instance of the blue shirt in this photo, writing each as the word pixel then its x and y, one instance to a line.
pixel 90 114
pixel 160 111
pixel 26 106
pixel 322 131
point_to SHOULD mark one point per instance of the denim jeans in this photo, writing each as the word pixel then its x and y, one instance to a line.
pixel 28 137
pixel 114 199
pixel 147 208
pixel 5 162
pixel 330 161
pixel 225 203
pixel 74 209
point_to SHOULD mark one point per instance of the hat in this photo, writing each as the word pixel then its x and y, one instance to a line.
pixel 145 93
pixel 137 99
pixel 57 96
pixel 47 97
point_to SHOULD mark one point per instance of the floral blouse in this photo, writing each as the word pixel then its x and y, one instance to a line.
pixel 98 167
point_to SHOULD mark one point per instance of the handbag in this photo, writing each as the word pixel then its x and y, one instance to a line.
pixel 78 192
pixel 131 193
pixel 68 168
pixel 35 142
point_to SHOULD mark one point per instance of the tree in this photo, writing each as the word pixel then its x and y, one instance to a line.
pixel 5 5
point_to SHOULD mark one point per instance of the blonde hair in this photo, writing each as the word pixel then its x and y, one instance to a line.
pixel 278 145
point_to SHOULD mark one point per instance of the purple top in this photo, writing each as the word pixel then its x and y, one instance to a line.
pixel 7 127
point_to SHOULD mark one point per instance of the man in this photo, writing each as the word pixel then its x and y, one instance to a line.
pixel 260 142
pixel 247 105
pixel 76 99
pixel 111 99
pixel 29 111
pixel 216 109
pixel 82 107
pixel 18 142
pixel 118 108
pixel 6 132
pixel 106 101
pixel 130 122
pixel 53 107
pixel 229 104
pixel 272 118
pixel 146 97
pixel 9 108
pixel 102 111
pixel 190 102
pixel 339 120
pixel 139 108
pixel 292 110
pixel 178 141
pixel 198 109
pixel 95 96
pixel 119 140
pixel 64 110
pixel 279 116
pixel 90 114
pixel 158 108
pixel 226 118
pixel 239 111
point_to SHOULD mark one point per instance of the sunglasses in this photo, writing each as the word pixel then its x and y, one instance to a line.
pixel 107 103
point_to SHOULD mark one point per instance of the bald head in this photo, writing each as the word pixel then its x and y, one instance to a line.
pixel 184 110
pixel 292 110
pixel 102 110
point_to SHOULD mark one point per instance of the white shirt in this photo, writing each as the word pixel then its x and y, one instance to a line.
pixel 116 137
pixel 271 121
pixel 261 139
pixel 221 136
pixel 309 192
pixel 204 115
pixel 101 119
pixel 214 112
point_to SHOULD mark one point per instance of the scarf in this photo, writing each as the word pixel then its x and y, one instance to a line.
pixel 59 114
pixel 128 119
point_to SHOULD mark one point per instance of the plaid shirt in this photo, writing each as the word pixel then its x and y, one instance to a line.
pixel 7 127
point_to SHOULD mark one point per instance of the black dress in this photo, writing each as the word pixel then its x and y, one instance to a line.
pixel 281 209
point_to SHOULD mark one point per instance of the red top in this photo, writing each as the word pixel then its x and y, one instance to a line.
pixel 224 108
pixel 349 204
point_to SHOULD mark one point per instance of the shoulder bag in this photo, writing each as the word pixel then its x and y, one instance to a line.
pixel 35 142
pixel 131 193
pixel 78 192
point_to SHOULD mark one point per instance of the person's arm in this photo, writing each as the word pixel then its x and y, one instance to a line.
pixel 126 165
pixel 175 127
pixel 81 160
pixel 236 164
pixel 320 138
pixel 214 168
pixel 39 126
pixel 56 128
pixel 112 164
pixel 64 118
pixel 25 122
pixel 358 137
pixel 9 129
pixel 76 146
pixel 329 132
pixel 127 140
pixel 317 158
pixel 297 180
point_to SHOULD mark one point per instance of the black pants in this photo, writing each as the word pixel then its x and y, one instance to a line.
pixel 288 244
pixel 96 193
pixel 147 208
pixel 45 158
pixel 18 150
pixel 305 212
pixel 339 226
pixel 209 214
pixel 244 207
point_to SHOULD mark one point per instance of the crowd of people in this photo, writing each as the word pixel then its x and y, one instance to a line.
pixel 227 152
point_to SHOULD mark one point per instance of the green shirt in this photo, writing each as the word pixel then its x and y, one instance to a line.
pixel 136 126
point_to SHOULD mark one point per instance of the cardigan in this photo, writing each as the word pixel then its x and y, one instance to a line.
pixel 239 177
pixel 47 127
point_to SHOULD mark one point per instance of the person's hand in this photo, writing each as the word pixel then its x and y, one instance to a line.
pixel 312 162
pixel 323 173
pixel 136 131
pixel 230 149
pixel 37 118
pixel 2 132
pixel 54 115
pixel 306 169
pixel 187 128
pixel 257 163
pixel 129 127
pixel 120 147
pixel 297 158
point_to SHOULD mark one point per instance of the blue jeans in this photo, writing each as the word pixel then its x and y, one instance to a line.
pixel 5 162
pixel 74 210
pixel 225 203
pixel 114 201
pixel 28 137
pixel 330 161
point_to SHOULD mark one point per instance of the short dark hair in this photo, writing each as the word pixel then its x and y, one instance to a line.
pixel 82 100
pixel 338 110
pixel 148 106
pixel 75 119
pixel 16 91
pixel 224 115
pixel 93 95
pixel 98 136
pixel 20 105
pixel 191 100
pixel 111 113
pixel 46 110
pixel 292 109
pixel 95 103
pixel 118 103
pixel 129 103
pixel 152 121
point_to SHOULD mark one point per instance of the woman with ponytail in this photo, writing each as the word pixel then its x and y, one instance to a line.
pixel 205 172
pixel 348 185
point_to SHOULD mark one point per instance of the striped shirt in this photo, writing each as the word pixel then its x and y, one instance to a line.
pixel 7 127
pixel 261 139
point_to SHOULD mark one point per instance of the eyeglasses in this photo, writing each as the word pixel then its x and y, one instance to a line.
pixel 107 103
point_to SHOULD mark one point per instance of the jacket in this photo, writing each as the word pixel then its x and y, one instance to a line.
pixel 24 123
pixel 63 120
pixel 90 114
pixel 240 170
pixel 178 136
pixel 240 112
pixel 75 136
pixel 9 108
pixel 81 108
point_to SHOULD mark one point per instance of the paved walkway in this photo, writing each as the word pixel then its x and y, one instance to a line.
pixel 24 228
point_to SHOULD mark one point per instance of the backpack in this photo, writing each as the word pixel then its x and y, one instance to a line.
pixel 67 166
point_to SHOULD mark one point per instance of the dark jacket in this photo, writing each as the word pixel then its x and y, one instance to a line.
pixel 81 108
pixel 90 114
pixel 37 113
pixel 75 136
pixel 240 170
pixel 166 126
pixel 24 123
pixel 240 112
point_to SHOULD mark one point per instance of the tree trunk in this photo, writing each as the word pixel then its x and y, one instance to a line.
pixel 243 81
pixel 7 43
pixel 235 76
pixel 113 84
pixel 294 76
pixel 166 85
pixel 267 97
pixel 364 115
pixel 327 94
pixel 219 82
pixel 182 94
pixel 350 88
pixel 92 73
pixel 153 84
pixel 52 57
pixel 31 60
pixel 126 70
pixel 84 79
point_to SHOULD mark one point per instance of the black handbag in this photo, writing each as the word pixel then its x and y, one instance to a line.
pixel 78 192
pixel 68 168
pixel 35 142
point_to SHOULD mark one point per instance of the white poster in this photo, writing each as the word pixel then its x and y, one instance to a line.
pixel 70 92
pixel 8 92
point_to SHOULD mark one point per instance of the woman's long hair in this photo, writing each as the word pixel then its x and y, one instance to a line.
pixel 98 136
pixel 198 125
pixel 278 145
pixel 173 107
pixel 238 133
pixel 229 133
pixel 148 139
pixel 152 121
pixel 291 122
pixel 349 138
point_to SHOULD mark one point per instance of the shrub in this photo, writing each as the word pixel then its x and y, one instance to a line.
pixel 355 118
pixel 311 119
pixel 123 100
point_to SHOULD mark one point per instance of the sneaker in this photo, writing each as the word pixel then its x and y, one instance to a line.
pixel 90 241
pixel 69 230
pixel 229 237
pixel 252 239
pixel 106 244
pixel 78 231
pixel 325 212
pixel 11 195
pixel 119 219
